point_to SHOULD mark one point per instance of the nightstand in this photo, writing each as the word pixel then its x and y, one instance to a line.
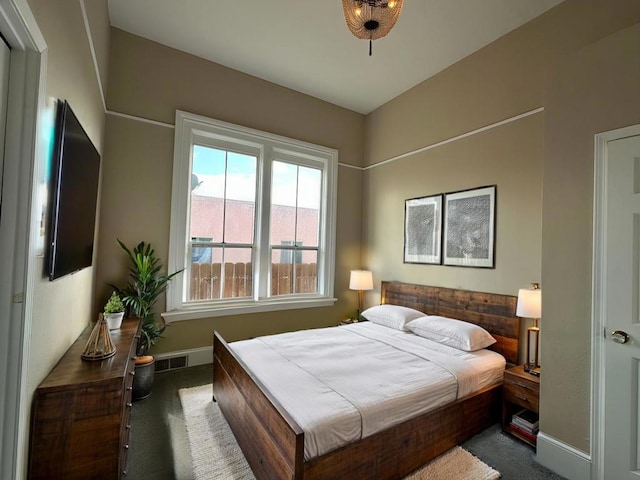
pixel 520 398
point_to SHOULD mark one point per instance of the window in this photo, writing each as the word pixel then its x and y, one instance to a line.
pixel 252 221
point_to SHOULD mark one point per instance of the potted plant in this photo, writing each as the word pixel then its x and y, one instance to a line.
pixel 114 311
pixel 145 284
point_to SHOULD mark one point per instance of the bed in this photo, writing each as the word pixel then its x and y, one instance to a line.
pixel 274 443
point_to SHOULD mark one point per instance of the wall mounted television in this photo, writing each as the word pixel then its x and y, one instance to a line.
pixel 75 171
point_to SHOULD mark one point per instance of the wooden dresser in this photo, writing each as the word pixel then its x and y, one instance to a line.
pixel 80 412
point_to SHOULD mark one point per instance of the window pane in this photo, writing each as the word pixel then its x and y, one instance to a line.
pixel 223 195
pixel 281 273
pixel 284 187
pixel 295 204
pixel 240 203
pixel 307 273
pixel 207 192
pixel 205 268
pixel 293 271
pixel 237 278
pixel 308 212
pixel 218 272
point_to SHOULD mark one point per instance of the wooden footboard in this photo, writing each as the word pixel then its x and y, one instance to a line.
pixel 397 451
pixel 272 442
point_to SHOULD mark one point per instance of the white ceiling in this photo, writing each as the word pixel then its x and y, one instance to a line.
pixel 305 45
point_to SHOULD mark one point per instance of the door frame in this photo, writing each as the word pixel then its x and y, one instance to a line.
pixel 18 227
pixel 599 304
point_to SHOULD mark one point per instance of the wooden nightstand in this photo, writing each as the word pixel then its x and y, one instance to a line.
pixel 521 390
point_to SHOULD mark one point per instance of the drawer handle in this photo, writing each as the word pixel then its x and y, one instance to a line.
pixel 129 389
pixel 522 385
pixel 521 398
pixel 129 404
pixel 128 427
pixel 124 473
pixel 126 447
pixel 132 373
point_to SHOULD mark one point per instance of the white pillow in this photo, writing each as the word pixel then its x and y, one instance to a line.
pixel 392 316
pixel 455 333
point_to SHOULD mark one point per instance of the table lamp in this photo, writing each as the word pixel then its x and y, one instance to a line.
pixel 530 306
pixel 360 280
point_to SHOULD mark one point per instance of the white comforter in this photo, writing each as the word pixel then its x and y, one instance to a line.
pixel 342 384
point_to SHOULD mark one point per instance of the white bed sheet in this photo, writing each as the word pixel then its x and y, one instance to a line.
pixel 341 384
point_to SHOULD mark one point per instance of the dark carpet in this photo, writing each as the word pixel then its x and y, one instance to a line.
pixel 159 449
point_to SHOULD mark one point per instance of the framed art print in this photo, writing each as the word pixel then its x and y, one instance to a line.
pixel 469 228
pixel 422 230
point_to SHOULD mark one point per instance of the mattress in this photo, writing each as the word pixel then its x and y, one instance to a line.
pixel 341 384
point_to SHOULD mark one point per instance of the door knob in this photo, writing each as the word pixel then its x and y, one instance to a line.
pixel 620 337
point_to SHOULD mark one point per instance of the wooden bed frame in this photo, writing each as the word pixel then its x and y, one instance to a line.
pixel 273 443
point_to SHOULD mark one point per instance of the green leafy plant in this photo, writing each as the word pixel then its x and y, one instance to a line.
pixel 145 284
pixel 114 304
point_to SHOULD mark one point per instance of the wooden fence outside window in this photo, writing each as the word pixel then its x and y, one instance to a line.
pixel 238 280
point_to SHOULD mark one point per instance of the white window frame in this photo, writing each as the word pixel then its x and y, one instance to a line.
pixel 193 129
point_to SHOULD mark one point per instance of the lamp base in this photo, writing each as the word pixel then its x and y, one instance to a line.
pixel 532 364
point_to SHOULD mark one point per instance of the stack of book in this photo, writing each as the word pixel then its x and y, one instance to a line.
pixel 526 423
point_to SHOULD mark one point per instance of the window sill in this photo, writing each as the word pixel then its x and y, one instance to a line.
pixel 242 308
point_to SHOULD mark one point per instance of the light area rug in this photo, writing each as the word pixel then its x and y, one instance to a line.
pixel 217 456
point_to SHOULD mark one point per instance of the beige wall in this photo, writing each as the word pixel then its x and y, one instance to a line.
pixel 509 157
pixel 595 89
pixel 586 84
pixel 63 308
pixel 150 81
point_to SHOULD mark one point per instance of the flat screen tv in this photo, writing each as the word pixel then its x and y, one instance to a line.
pixel 75 170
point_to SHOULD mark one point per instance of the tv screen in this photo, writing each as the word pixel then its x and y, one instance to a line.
pixel 74 193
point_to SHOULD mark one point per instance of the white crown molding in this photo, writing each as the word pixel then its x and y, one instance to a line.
pixel 457 137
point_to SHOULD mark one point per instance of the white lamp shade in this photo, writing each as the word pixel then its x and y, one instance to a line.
pixel 529 303
pixel 361 280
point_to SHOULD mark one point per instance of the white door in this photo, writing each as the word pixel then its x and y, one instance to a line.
pixel 622 311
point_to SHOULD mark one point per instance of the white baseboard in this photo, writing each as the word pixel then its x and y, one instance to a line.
pixel 195 356
pixel 562 458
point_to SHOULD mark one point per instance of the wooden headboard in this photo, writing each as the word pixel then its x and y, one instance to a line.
pixel 493 312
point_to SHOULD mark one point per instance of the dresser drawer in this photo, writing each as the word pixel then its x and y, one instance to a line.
pixel 521 391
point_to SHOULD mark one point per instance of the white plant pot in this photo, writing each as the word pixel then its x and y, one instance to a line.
pixel 114 320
